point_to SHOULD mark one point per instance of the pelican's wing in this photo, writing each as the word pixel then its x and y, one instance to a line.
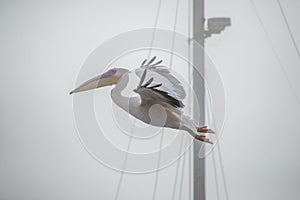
pixel 162 74
pixel 151 94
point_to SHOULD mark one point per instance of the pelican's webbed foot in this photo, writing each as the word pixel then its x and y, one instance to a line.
pixel 203 139
pixel 204 129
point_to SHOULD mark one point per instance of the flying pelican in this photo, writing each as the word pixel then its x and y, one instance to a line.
pixel 162 88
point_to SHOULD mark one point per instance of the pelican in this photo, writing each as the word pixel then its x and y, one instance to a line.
pixel 157 86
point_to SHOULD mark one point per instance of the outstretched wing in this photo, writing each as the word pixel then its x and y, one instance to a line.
pixel 162 75
pixel 151 94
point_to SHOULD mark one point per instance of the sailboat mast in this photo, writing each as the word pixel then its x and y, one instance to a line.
pixel 199 89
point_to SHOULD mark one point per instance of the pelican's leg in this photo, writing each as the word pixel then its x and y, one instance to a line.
pixel 204 129
pixel 203 139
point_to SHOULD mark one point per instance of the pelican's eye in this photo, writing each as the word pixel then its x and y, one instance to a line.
pixel 109 73
pixel 113 71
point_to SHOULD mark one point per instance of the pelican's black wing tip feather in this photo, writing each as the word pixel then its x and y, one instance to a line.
pixel 171 100
pixel 155 86
pixel 143 63
pixel 151 62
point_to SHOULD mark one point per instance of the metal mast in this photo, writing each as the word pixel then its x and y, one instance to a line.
pixel 199 89
pixel 214 26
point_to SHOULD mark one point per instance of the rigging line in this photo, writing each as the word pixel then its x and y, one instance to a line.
pixel 223 172
pixel 130 139
pixel 124 163
pixel 275 53
pixel 177 167
pixel 189 112
pixel 158 165
pixel 190 174
pixel 174 33
pixel 154 28
pixel 162 131
pixel 289 28
pixel 171 59
pixel 216 174
pixel 183 166
pixel 189 99
pixel 171 65
pixel 212 119
pixel 209 117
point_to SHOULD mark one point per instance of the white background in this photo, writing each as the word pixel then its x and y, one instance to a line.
pixel 43 45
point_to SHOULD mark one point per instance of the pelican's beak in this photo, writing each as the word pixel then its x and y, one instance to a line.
pixel 97 82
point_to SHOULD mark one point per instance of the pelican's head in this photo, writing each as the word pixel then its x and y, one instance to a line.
pixel 110 77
